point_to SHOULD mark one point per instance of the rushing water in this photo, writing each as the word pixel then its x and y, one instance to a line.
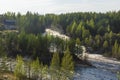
pixel 104 69
pixel 92 73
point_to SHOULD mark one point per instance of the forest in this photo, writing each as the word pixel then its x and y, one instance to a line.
pixel 98 32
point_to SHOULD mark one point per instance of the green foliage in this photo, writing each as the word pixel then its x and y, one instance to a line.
pixel 78 49
pixel 35 68
pixel 73 27
pixel 105 44
pixel 91 28
pixel 67 65
pixel 78 31
pixel 22 42
pixel 116 50
pixel 11 43
pixel 55 63
pixel 2 48
pixel 55 66
pixel 45 72
pixel 19 71
pixel 78 41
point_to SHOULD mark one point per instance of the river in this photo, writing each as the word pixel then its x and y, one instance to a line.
pixel 104 68
pixel 91 73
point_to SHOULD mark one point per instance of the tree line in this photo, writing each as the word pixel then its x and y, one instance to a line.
pixel 31 45
pixel 96 30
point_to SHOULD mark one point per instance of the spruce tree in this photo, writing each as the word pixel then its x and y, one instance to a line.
pixel 55 66
pixel 115 49
pixel 119 52
pixel 73 27
pixel 78 46
pixel 35 68
pixel 2 49
pixel 67 65
pixel 105 45
pixel 55 63
pixel 19 68
pixel 78 41
pixel 45 72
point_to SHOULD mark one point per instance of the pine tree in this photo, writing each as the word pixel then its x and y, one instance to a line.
pixel 115 49
pixel 73 27
pixel 45 72
pixel 2 49
pixel 78 31
pixel 90 40
pixel 78 41
pixel 78 46
pixel 35 68
pixel 55 66
pixel 97 39
pixel 119 52
pixel 105 45
pixel 19 68
pixel 55 63
pixel 67 65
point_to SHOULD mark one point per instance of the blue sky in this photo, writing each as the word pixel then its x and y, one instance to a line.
pixel 59 6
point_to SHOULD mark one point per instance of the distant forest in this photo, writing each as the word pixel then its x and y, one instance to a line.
pixel 99 32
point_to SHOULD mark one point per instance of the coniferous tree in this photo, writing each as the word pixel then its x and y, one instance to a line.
pixel 78 48
pixel 78 41
pixel 45 71
pixel 55 66
pixel 105 45
pixel 67 65
pixel 79 30
pixel 2 50
pixel 90 41
pixel 115 49
pixel 19 68
pixel 55 63
pixel 119 52
pixel 35 68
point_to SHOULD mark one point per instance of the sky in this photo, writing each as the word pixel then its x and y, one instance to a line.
pixel 58 6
